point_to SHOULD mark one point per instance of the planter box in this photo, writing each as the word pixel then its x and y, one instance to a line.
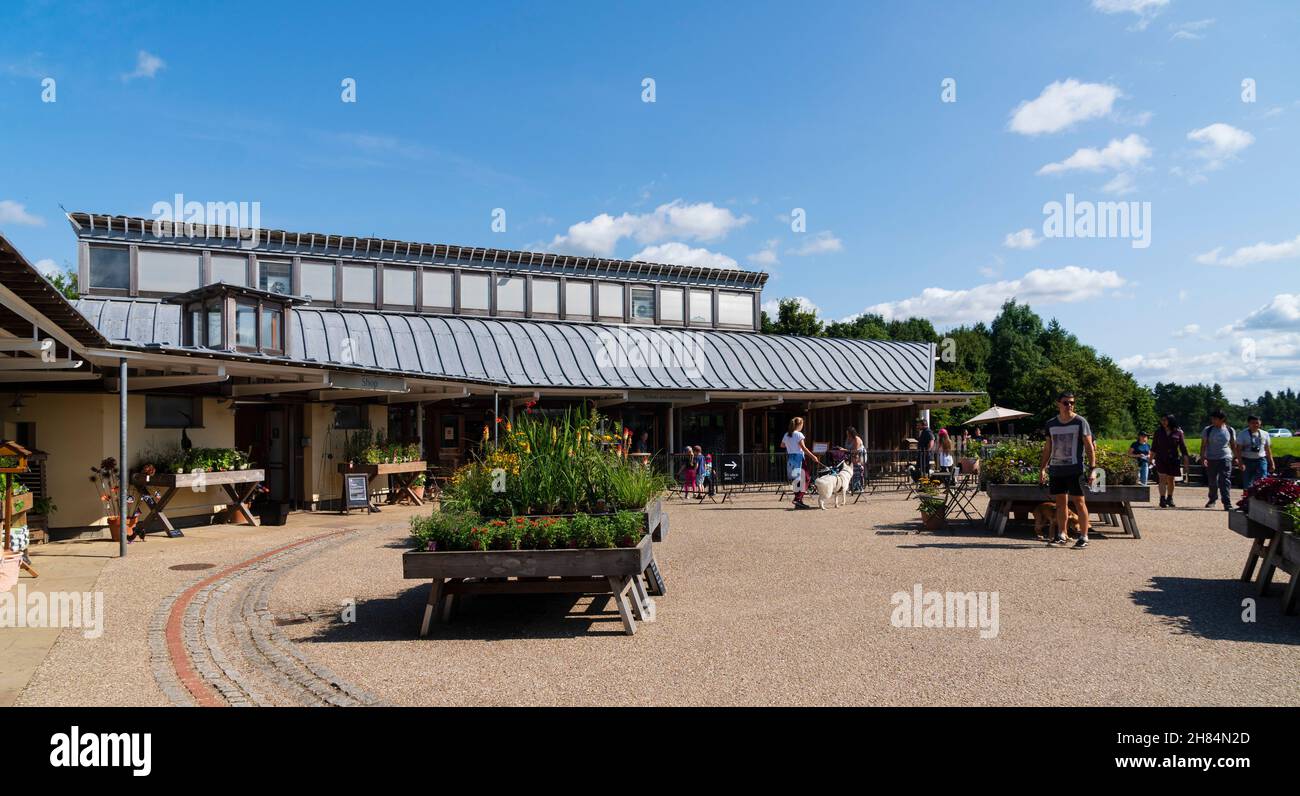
pixel 1270 516
pixel 1241 524
pixel 385 468
pixel 19 504
pixel 607 562
pixel 1035 493
pixel 193 480
pixel 1291 547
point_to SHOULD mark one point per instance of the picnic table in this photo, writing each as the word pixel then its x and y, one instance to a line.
pixel 1114 503
pixel 239 486
pixel 1274 546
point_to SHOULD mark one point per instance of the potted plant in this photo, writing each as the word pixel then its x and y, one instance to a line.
pixel 417 486
pixel 932 504
pixel 107 479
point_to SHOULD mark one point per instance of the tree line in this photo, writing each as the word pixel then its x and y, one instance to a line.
pixel 1022 363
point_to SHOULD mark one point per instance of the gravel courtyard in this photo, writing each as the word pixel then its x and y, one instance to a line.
pixel 765 606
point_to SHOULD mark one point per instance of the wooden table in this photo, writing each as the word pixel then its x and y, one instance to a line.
pixel 1274 546
pixel 239 486
pixel 1116 502
pixel 403 473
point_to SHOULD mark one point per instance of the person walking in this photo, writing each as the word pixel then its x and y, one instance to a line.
pixel 1141 451
pixel 795 453
pixel 1218 458
pixel 857 457
pixel 1254 452
pixel 1169 454
pixel 1069 443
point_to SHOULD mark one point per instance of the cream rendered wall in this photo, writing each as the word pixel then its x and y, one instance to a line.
pixel 80 430
pixel 321 480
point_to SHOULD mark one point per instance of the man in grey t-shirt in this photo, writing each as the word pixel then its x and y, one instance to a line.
pixel 1068 454
pixel 1216 457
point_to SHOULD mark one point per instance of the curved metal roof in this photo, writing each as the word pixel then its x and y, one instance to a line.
pixel 556 354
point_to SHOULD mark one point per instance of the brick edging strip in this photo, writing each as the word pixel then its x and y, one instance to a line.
pixel 204 694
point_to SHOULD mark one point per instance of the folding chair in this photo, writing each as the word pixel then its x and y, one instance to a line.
pixel 961 497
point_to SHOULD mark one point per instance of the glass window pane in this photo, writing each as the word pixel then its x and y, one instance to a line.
pixel 670 304
pixel 643 303
pixel 437 289
pixel 317 280
pixel 246 325
pixel 702 306
pixel 510 294
pixel 274 277
pixel 270 331
pixel 611 301
pixel 474 291
pixel 399 286
pixel 359 284
pixel 546 296
pixel 169 271
pixel 110 266
pixel 577 299
pixel 196 327
pixel 735 308
pixel 233 270
pixel 214 326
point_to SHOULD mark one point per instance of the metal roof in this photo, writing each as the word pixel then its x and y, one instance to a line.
pixel 280 243
pixel 555 354
pixel 24 281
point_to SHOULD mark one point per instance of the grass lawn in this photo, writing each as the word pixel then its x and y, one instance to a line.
pixel 1286 446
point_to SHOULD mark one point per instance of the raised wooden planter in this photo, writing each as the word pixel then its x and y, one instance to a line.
pixel 1267 514
pixel 1113 502
pixel 617 572
pixel 239 486
pixel 404 474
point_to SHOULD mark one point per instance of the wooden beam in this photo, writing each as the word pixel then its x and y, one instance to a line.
pixel 829 404
pixel 416 397
pixel 14 376
pixel 164 382
pixel 514 402
pixel 763 404
pixel 601 404
pixel 275 388
pixel 44 347
pixel 30 363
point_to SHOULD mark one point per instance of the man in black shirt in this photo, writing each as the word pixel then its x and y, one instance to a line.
pixel 924 444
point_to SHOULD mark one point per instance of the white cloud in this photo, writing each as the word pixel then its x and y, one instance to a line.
pixel 1024 239
pixel 766 258
pixel 1144 9
pixel 1121 184
pixel 48 267
pixel 680 254
pixel 948 308
pixel 820 243
pixel 1283 312
pixel 146 65
pixel 1249 255
pixel 1190 330
pixel 1061 106
pixel 1219 143
pixel 1118 155
pixel 773 306
pixel 1191 31
pixel 701 221
pixel 12 212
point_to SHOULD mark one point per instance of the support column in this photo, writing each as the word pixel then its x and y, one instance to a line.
pixel 672 443
pixel 496 414
pixel 123 469
pixel 866 426
pixel 740 420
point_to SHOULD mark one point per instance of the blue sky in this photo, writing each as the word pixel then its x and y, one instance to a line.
pixel 913 205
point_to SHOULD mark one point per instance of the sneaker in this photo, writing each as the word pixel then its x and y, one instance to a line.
pixel 1227 507
pixel 1209 504
pixel 799 504
pixel 1171 502
pixel 1058 541
pixel 1081 543
pixel 1162 501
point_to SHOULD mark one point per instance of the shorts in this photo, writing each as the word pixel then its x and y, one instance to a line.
pixel 1071 484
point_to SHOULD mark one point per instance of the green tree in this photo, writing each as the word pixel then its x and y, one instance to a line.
pixel 791 318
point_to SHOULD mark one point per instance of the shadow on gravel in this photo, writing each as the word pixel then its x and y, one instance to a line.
pixel 1211 608
pixel 486 617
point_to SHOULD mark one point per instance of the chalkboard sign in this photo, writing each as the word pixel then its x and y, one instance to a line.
pixel 357 490
pixel 729 465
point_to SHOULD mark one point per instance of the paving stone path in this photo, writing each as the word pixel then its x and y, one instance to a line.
pixel 215 642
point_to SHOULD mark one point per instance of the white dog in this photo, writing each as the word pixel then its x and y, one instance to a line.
pixel 834 486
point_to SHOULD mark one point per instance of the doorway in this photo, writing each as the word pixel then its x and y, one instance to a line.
pixel 267 431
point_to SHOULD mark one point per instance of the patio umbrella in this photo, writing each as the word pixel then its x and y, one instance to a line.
pixel 995 415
